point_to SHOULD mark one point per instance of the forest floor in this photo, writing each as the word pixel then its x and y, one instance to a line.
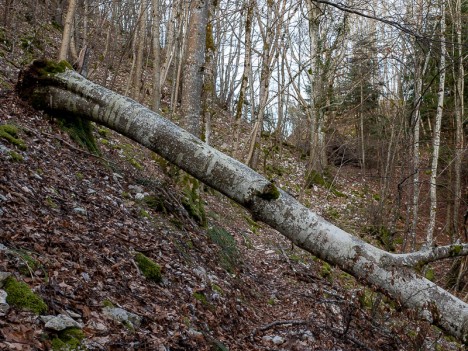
pixel 76 221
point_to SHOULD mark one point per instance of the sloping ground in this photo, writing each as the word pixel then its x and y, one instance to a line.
pixel 81 219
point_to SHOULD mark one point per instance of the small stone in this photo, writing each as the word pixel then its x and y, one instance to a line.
pixel 277 340
pixel 136 188
pixel 91 191
pixel 37 176
pixel 1 212
pixel 4 306
pixel 3 198
pixel 80 211
pixel 85 276
pixel 120 315
pixel 97 326
pixel 26 189
pixel 3 296
pixel 60 322
pixel 3 275
pixel 139 196
pixel 73 314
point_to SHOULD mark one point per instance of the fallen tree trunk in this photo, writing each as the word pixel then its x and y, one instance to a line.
pixel 56 89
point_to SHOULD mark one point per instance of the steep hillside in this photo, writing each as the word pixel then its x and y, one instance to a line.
pixel 72 224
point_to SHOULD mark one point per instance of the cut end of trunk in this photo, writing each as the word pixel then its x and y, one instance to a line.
pixel 38 70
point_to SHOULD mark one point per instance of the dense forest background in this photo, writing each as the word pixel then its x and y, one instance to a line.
pixel 307 93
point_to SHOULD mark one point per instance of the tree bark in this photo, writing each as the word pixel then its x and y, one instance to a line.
pixel 436 137
pixel 67 30
pixel 68 92
pixel 192 82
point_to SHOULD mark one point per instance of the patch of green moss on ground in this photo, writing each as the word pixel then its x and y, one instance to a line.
pixel 229 254
pixel 21 296
pixel 27 263
pixel 10 133
pixel 154 202
pixel 150 269
pixel 200 297
pixel 16 157
pixel 384 236
pixel 80 131
pixel 323 180
pixel 68 339
pixel 326 270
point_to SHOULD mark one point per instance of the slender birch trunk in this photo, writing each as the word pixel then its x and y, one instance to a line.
pixel 437 127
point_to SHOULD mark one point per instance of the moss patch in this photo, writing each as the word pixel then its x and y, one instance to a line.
pixel 80 131
pixel 68 339
pixel 10 133
pixel 27 264
pixel 150 269
pixel 48 67
pixel 200 297
pixel 21 296
pixel 154 202
pixel 229 254
pixel 16 157
pixel 324 180
pixel 269 192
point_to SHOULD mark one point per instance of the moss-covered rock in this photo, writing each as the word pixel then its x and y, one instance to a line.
pixel 150 269
pixel 21 296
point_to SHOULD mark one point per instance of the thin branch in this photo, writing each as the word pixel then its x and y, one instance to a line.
pixel 432 254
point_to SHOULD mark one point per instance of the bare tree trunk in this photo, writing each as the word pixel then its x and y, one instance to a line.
pixel 156 95
pixel 192 82
pixel 436 138
pixel 140 47
pixel 67 31
pixel 208 91
pixel 245 74
pixel 390 273
pixel 459 111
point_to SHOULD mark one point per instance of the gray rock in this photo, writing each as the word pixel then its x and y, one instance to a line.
pixel 136 188
pixel 4 307
pixel 1 211
pixel 120 315
pixel 139 196
pixel 80 211
pixel 86 276
pixel 3 198
pixel 60 322
pixel 3 275
pixel 4 149
pixel 73 314
pixel 277 340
